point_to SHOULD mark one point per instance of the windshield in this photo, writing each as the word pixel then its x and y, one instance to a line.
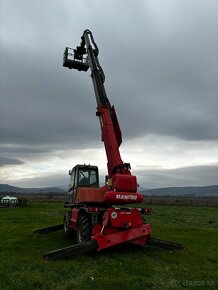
pixel 88 177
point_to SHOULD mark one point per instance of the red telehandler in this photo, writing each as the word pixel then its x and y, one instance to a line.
pixel 98 215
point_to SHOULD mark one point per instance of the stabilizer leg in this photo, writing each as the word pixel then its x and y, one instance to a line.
pixel 49 229
pixel 77 249
pixel 164 244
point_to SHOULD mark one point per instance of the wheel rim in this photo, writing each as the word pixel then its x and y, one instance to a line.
pixel 65 226
pixel 79 236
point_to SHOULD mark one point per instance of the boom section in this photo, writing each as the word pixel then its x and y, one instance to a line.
pixel 86 55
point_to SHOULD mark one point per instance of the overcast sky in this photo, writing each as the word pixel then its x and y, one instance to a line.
pixel 160 59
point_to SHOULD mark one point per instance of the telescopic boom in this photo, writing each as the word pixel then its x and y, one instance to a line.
pixel 85 56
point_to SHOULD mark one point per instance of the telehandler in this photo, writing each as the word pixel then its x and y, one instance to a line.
pixel 100 216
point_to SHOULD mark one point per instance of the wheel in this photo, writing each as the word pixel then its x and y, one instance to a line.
pixel 83 232
pixel 67 225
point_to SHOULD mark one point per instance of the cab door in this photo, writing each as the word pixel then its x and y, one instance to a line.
pixel 73 185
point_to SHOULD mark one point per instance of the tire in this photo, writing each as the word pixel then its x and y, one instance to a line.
pixel 83 233
pixel 67 225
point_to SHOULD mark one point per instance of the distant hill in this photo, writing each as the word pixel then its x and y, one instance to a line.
pixel 4 188
pixel 198 191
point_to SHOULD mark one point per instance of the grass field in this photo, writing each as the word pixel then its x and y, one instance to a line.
pixel 195 267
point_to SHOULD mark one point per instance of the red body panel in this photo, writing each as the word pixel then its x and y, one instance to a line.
pixel 120 226
pixel 90 194
pixel 74 218
pixel 124 182
pixel 124 218
pixel 137 235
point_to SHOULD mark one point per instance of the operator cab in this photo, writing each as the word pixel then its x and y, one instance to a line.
pixel 83 176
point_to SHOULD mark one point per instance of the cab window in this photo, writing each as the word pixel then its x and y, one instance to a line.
pixel 93 178
pixel 88 177
pixel 71 185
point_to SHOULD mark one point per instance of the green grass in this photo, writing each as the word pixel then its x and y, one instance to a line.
pixel 195 267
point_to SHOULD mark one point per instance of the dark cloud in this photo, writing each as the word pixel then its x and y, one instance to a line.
pixel 9 161
pixel 160 61
pixel 187 176
pixel 22 149
pixel 161 75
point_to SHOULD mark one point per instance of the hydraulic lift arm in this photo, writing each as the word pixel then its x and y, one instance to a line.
pixel 111 133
